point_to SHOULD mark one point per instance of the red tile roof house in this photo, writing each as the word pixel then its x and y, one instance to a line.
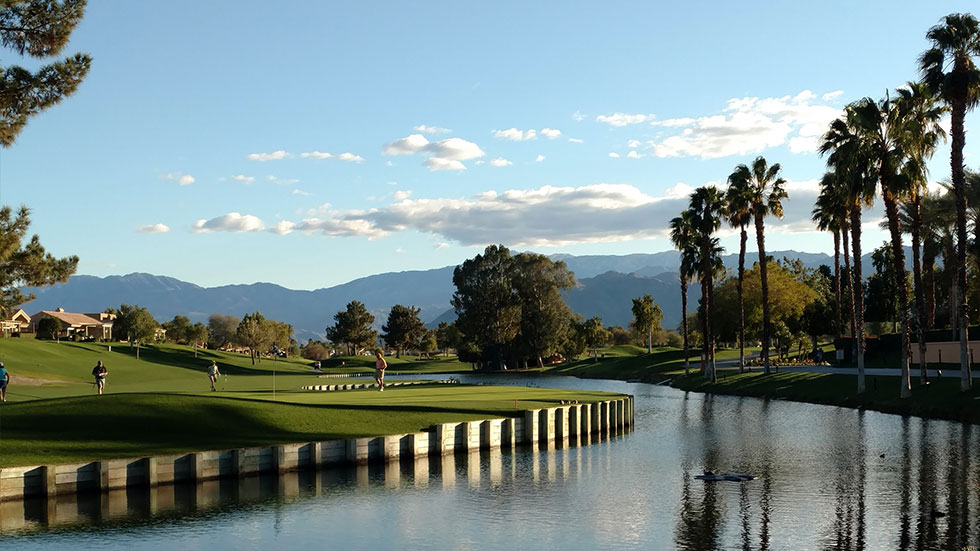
pixel 20 322
pixel 97 326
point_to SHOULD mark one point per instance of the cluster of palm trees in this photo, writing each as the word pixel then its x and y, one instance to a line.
pixel 875 147
pixel 753 193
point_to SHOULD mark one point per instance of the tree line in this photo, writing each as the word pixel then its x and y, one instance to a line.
pixel 879 147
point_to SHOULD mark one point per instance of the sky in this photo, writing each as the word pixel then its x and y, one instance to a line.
pixel 308 143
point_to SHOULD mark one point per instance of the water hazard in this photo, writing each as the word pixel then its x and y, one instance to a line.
pixel 829 478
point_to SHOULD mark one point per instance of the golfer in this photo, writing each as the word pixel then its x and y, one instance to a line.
pixel 4 380
pixel 213 374
pixel 379 370
pixel 99 372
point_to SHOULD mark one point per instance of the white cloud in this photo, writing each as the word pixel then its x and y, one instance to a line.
pixel 539 158
pixel 409 145
pixel 153 228
pixel 831 95
pixel 300 192
pixel 324 155
pixel 500 162
pixel 615 213
pixel 350 157
pixel 231 222
pixel 274 156
pixel 431 130
pixel 623 119
pixel 401 194
pixel 445 154
pixel 243 179
pixel 633 154
pixel 579 116
pixel 399 251
pixel 515 135
pixel 281 181
pixel 438 163
pixel 633 144
pixel 614 155
pixel 748 126
pixel 315 155
pixel 442 245
pixel 283 227
pixel 576 140
pixel 179 177
pixel 550 133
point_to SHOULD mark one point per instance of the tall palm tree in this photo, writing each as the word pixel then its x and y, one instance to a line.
pixel 682 236
pixel 707 208
pixel 936 221
pixel 920 113
pixel 830 214
pixel 739 208
pixel 948 69
pixel 767 191
pixel 879 128
pixel 850 160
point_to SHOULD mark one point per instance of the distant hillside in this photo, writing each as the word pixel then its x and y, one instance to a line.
pixel 607 285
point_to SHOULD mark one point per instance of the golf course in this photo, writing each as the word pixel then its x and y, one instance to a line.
pixel 162 402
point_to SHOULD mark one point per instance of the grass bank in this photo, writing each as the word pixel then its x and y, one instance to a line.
pixel 941 399
pixel 162 403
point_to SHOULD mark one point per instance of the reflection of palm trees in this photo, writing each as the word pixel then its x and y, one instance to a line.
pixel 699 527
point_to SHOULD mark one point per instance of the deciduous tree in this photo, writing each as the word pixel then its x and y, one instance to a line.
pixel 647 317
pixel 135 324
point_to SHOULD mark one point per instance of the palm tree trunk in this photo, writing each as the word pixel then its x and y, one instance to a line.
pixel 857 295
pixel 687 362
pixel 920 307
pixel 837 315
pixel 704 329
pixel 958 109
pixel 741 302
pixel 850 291
pixel 711 341
pixel 900 285
pixel 929 282
pixel 761 241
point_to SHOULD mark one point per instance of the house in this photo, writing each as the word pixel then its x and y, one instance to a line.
pixel 20 322
pixel 92 326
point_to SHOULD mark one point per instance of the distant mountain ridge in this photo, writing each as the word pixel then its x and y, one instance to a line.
pixel 606 286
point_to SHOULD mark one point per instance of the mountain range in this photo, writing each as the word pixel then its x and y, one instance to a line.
pixel 606 286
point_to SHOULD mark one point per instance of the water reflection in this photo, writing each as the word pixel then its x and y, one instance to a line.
pixel 829 478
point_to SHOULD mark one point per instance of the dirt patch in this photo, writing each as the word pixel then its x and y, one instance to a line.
pixel 20 380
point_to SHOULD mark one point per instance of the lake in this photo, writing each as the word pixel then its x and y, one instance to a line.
pixel 829 478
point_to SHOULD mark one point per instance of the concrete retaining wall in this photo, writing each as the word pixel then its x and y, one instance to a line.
pixel 576 424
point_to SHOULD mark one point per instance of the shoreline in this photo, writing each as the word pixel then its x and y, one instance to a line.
pixel 941 399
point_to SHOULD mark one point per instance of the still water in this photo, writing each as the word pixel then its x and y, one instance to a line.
pixel 829 478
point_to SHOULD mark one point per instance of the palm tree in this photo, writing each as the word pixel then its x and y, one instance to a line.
pixel 739 201
pixel 707 208
pixel 950 73
pixel 921 114
pixel 851 162
pixel 682 236
pixel 879 128
pixel 767 191
pixel 830 214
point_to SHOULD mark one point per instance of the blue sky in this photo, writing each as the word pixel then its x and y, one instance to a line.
pixel 310 143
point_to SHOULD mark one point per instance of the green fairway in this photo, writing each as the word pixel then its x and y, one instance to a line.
pixel 162 403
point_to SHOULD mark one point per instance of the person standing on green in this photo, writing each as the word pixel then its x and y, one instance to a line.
pixel 4 380
pixel 99 372
pixel 213 374
pixel 379 370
